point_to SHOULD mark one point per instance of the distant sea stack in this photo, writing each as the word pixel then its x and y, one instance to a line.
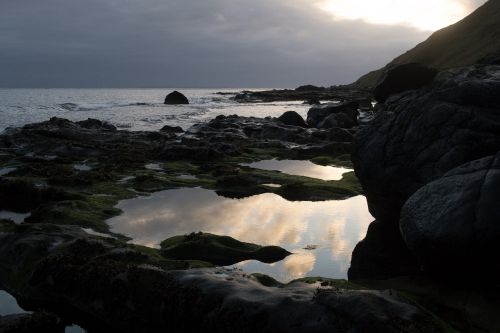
pixel 475 39
pixel 176 98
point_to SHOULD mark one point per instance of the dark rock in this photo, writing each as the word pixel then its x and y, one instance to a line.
pixel 402 78
pixel 96 124
pixel 313 101
pixel 20 196
pixel 310 87
pixel 31 322
pixel 453 223
pixel 382 255
pixel 337 120
pixel 175 98
pixel 340 135
pixel 423 134
pixel 292 118
pixel 171 129
pixel 338 93
pixel 318 114
pixel 61 138
pixel 335 134
pixel 97 278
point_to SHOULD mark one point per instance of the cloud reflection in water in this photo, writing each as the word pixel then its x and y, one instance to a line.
pixel 301 168
pixel 266 219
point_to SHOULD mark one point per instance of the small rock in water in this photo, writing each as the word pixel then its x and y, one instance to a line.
pixel 175 98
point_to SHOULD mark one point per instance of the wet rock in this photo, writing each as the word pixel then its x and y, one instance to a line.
pixel 337 93
pixel 313 101
pixel 60 138
pixel 317 115
pixel 62 267
pixel 175 98
pixel 96 124
pixel 171 129
pixel 337 120
pixel 452 224
pixel 419 136
pixel 292 118
pixel 402 78
pixel 20 196
pixel 340 135
pixel 219 250
pixel 29 323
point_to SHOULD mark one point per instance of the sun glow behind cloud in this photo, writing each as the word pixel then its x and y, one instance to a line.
pixel 422 14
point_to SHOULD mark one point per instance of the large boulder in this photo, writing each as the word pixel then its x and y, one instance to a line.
pixel 292 118
pixel 316 115
pixel 453 224
pixel 175 98
pixel 402 78
pixel 420 135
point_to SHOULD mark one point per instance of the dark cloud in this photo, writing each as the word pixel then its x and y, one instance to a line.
pixel 214 43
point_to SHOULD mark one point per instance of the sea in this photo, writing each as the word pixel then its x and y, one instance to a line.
pixel 131 109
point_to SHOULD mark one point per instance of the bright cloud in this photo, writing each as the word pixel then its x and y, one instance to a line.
pixel 422 14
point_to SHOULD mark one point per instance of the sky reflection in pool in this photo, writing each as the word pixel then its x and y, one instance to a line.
pixel 16 217
pixel 266 219
pixel 300 168
pixel 8 304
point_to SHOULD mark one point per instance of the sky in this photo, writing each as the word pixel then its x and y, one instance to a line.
pixel 210 43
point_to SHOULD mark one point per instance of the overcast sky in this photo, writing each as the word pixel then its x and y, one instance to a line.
pixel 209 43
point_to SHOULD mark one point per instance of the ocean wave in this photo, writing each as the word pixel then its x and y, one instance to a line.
pixel 97 106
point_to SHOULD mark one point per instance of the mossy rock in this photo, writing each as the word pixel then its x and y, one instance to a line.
pixel 266 280
pixel 332 283
pixel 219 250
pixel 339 161
pixel 7 225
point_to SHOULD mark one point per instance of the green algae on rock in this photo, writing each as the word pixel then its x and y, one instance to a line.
pixel 219 250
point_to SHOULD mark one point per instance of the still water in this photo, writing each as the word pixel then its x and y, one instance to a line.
pixel 8 305
pixel 321 235
pixel 301 168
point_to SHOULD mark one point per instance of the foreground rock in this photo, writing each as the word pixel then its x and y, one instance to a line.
pixel 420 135
pixel 129 290
pixel 411 156
pixel 219 250
pixel 452 224
pixel 176 98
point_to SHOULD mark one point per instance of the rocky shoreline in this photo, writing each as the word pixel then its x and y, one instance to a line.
pixel 429 158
